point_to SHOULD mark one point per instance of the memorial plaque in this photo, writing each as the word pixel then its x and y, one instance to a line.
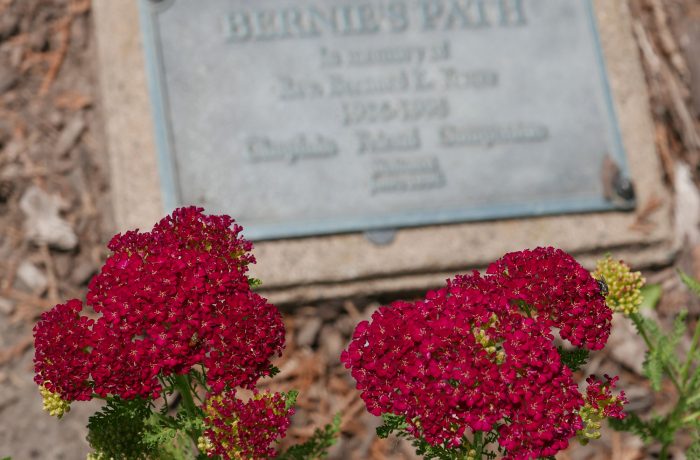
pixel 313 117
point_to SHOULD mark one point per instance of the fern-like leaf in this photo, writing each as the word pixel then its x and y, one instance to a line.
pixel 290 399
pixel 573 359
pixel 429 452
pixel 649 326
pixel 390 424
pixel 254 283
pixel 123 421
pixel 693 452
pixel 653 368
pixel 632 424
pixel 317 446
pixel 668 344
pixel 692 283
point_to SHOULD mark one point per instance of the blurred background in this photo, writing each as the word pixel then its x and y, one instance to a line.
pixel 56 215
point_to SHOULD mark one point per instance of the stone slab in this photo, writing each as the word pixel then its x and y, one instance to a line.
pixel 397 116
pixel 126 111
pixel 306 269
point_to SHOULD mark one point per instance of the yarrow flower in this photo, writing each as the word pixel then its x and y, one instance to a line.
pixel 244 430
pixel 600 404
pixel 478 354
pixel 168 300
pixel 172 311
pixel 624 286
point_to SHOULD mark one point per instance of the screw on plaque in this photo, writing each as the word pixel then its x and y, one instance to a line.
pixel 159 6
pixel 617 187
pixel 381 237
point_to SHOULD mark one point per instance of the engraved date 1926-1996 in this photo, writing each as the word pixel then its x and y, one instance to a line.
pixel 402 110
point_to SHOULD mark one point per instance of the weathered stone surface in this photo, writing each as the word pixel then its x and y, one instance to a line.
pixel 401 114
pixel 418 258
pixel 127 115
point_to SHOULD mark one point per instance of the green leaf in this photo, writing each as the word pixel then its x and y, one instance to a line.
pixel 168 438
pixel 679 329
pixel 124 420
pixel 254 283
pixel 693 452
pixel 692 283
pixel 653 368
pixel 632 424
pixel 651 294
pixel 646 325
pixel 693 386
pixel 290 399
pixel 390 424
pixel 573 359
pixel 663 357
pixel 274 370
pixel 430 452
pixel 317 446
pixel 661 430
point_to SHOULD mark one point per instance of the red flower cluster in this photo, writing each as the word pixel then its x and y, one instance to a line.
pixel 62 343
pixel 169 299
pixel 560 289
pixel 599 397
pixel 479 354
pixel 245 430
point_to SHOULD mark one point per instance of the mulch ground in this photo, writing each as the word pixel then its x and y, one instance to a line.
pixel 55 219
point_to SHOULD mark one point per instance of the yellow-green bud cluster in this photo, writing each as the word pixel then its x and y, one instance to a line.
pixel 53 403
pixel 624 286
pixel 471 455
pixel 204 445
pixel 487 343
pixel 592 421
pixel 97 456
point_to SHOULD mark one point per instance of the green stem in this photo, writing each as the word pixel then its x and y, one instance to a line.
pixel 168 421
pixel 183 387
pixel 671 424
pixel 640 327
pixel 478 445
pixel 182 384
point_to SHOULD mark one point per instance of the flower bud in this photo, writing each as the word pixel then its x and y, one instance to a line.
pixel 53 403
pixel 623 285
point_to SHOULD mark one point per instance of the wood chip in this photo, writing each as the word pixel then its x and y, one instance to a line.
pixel 16 350
pixel 70 134
pixel 57 57
pixel 72 100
